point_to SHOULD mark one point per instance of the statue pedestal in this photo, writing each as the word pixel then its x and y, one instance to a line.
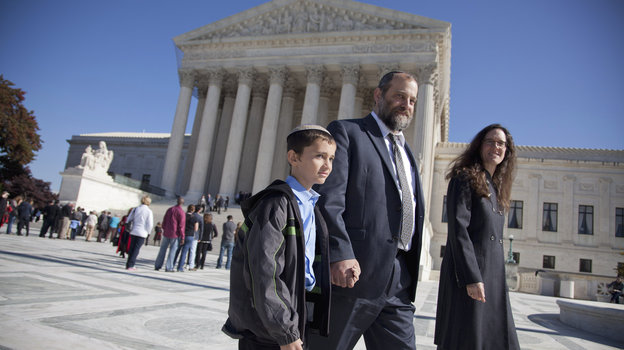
pixel 96 190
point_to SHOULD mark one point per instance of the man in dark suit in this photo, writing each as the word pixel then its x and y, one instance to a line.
pixel 374 207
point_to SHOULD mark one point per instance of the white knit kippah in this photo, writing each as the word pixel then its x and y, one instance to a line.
pixel 308 127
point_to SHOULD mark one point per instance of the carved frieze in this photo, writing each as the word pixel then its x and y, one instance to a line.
pixel 307 17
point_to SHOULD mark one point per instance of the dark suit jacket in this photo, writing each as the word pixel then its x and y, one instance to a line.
pixel 361 203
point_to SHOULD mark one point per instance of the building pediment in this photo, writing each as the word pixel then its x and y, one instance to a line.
pixel 283 17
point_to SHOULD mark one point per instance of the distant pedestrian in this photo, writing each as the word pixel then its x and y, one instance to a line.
pixel 157 233
pixel 227 242
pixel 173 225
pixel 24 212
pixel 90 224
pixel 190 229
pixel 205 242
pixel 49 217
pixel 3 206
pixel 142 220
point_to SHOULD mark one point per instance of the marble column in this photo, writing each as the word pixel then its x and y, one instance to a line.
pixel 423 126
pixel 266 149
pixel 176 140
pixel 190 154
pixel 252 135
pixel 206 134
pixel 314 75
pixel 218 157
pixel 231 164
pixel 350 77
pixel 285 125
pixel 327 92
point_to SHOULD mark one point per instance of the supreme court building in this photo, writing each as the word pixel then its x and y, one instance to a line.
pixel 259 73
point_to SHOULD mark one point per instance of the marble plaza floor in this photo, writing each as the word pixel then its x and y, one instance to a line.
pixel 59 294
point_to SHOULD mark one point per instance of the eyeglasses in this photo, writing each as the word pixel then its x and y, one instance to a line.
pixel 492 143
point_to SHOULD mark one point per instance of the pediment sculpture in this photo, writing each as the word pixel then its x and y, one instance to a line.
pixel 306 17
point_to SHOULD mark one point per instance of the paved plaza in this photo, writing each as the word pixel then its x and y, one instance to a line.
pixel 60 294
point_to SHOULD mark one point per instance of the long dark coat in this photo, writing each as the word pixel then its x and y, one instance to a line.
pixel 474 253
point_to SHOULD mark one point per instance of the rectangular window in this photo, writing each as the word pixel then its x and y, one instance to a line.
pixel 549 217
pixel 586 220
pixel 585 265
pixel 442 249
pixel 515 214
pixel 146 178
pixel 516 257
pixel 444 214
pixel 619 222
pixel 549 262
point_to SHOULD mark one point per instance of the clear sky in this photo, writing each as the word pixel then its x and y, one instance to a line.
pixel 549 70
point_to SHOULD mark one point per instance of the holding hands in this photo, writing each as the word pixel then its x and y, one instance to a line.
pixel 345 273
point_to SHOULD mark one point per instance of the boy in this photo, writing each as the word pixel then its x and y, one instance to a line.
pixel 274 272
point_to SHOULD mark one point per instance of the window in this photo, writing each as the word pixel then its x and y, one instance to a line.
pixel 549 262
pixel 146 178
pixel 128 174
pixel 586 220
pixel 444 214
pixel 515 214
pixel 585 265
pixel 549 219
pixel 516 257
pixel 442 249
pixel 619 222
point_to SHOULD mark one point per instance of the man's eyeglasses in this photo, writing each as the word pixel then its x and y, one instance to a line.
pixel 492 143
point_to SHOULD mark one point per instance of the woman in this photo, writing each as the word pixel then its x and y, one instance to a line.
pixel 157 233
pixel 473 302
pixel 205 241
pixel 142 220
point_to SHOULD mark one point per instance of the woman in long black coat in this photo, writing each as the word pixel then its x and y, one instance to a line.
pixel 473 302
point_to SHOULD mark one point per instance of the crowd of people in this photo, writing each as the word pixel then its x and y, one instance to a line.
pixel 129 232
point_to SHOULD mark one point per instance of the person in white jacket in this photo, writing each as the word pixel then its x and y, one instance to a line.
pixel 142 220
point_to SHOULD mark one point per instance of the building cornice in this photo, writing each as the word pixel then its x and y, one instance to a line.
pixel 542 152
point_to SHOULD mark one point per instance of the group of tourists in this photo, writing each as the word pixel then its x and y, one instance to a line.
pixel 17 210
pixel 208 204
pixel 187 236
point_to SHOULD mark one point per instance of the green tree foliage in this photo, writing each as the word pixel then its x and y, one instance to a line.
pixel 19 141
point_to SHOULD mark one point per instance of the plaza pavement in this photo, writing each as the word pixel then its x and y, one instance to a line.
pixel 60 294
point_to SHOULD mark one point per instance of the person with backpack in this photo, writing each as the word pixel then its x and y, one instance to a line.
pixel 274 269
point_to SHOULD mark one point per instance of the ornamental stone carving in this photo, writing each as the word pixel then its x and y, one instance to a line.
pixel 315 74
pixel 246 75
pixel 427 74
pixel 350 74
pixel 278 74
pixel 215 76
pixel 96 160
pixel 307 17
pixel 187 78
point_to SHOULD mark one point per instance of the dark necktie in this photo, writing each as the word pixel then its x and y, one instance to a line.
pixel 407 221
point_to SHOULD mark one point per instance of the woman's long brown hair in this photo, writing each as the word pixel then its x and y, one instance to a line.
pixel 469 165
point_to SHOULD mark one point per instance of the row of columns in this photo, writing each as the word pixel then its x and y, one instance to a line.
pixel 247 140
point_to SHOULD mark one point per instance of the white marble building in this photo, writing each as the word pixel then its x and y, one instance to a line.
pixel 263 71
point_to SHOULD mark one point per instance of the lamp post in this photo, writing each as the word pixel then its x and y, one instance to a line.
pixel 510 258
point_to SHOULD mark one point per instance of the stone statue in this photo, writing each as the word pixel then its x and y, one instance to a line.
pixel 88 159
pixel 96 160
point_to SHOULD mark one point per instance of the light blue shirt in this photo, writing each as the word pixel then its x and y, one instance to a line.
pixel 306 200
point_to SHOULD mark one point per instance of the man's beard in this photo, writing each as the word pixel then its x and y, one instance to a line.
pixel 394 119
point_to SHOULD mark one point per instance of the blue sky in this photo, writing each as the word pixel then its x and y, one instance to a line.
pixel 549 70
